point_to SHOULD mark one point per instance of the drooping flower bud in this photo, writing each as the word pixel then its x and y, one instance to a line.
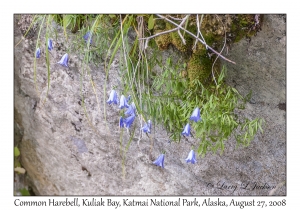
pixel 38 53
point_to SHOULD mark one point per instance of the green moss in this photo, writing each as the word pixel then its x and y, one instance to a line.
pixel 199 67
pixel 243 26
pixel 212 28
pixel 177 42
pixel 162 41
pixel 159 25
pixel 173 38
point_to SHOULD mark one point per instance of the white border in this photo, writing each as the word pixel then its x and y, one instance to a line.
pixel 153 6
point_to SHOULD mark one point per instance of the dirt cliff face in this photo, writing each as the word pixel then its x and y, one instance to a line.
pixel 67 151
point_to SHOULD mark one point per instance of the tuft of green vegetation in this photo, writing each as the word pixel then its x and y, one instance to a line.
pixel 16 158
pixel 24 192
pixel 172 101
pixel 16 151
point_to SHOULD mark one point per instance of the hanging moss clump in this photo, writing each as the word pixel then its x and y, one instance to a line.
pixel 199 64
pixel 163 41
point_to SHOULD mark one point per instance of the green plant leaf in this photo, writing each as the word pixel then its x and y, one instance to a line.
pixel 151 22
pixel 24 192
pixel 66 22
pixel 16 151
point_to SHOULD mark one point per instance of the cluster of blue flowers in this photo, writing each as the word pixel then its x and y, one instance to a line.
pixel 64 60
pixel 130 116
pixel 186 132
pixel 190 159
pixel 130 113
pixel 38 50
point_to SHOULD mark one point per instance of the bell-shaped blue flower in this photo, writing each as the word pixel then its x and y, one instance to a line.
pixel 113 97
pixel 121 122
pixel 123 102
pixel 187 130
pixel 130 110
pixel 128 121
pixel 38 53
pixel 50 45
pixel 87 37
pixel 160 161
pixel 191 157
pixel 64 60
pixel 196 115
pixel 147 127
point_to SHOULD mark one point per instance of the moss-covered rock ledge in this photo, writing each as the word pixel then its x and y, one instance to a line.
pixel 213 29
